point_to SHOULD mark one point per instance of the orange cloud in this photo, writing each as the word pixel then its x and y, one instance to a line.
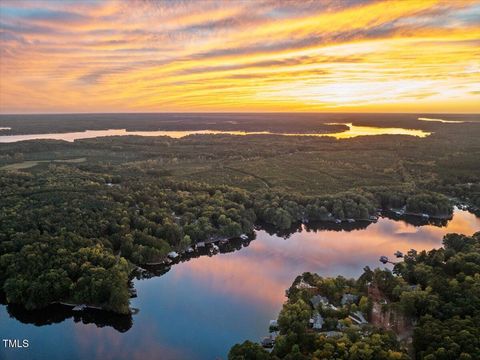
pixel 222 56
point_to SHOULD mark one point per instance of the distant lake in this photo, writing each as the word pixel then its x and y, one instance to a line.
pixel 353 131
pixel 203 306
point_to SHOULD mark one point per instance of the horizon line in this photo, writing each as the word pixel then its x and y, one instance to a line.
pixel 234 112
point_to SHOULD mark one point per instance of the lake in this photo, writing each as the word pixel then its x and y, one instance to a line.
pixel 203 306
pixel 353 131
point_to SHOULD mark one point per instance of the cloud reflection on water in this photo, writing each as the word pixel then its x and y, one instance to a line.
pixel 203 306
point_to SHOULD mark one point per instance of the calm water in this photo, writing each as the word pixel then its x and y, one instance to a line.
pixel 201 307
pixel 353 131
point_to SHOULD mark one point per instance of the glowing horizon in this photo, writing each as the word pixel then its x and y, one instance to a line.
pixel 240 56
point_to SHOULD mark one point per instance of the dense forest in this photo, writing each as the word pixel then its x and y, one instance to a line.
pixel 78 217
pixel 71 235
pixel 431 298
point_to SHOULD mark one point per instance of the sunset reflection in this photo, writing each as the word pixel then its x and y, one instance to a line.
pixel 269 264
pixel 353 131
pixel 236 294
pixel 203 306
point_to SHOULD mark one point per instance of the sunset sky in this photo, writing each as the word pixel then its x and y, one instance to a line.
pixel 271 55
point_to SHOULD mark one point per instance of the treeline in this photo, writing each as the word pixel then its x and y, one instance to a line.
pixel 467 193
pixel 428 202
pixel 283 209
pixel 436 291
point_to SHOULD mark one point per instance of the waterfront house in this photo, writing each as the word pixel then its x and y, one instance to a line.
pixel 318 299
pixel 348 299
pixel 303 285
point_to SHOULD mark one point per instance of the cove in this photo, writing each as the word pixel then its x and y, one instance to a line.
pixel 201 307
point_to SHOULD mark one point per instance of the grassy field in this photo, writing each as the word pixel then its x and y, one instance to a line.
pixel 31 163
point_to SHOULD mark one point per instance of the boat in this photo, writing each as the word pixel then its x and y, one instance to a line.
pixel 80 307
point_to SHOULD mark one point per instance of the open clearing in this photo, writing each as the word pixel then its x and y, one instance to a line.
pixel 30 164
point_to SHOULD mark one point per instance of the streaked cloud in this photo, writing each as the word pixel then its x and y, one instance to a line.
pixel 265 55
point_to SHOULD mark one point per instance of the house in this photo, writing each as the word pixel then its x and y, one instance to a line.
pixel 303 285
pixel 351 220
pixel 317 321
pixel 348 299
pixel 201 244
pixel 244 237
pixel 318 299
